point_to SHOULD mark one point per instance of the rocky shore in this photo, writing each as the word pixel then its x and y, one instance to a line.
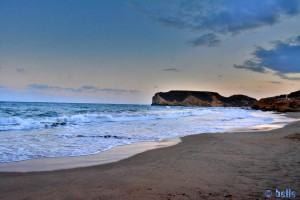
pixel 283 103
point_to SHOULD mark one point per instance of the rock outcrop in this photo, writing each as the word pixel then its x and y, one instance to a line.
pixel 200 98
pixel 282 103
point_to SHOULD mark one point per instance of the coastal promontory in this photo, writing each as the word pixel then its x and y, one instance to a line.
pixel 200 98
pixel 282 103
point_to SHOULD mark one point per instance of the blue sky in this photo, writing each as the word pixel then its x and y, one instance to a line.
pixel 124 51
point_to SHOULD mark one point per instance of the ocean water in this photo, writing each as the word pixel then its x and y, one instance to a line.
pixel 40 130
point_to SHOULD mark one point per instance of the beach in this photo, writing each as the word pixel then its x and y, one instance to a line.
pixel 237 165
pixel 149 100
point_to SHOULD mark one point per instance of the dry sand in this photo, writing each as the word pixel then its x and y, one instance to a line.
pixel 205 166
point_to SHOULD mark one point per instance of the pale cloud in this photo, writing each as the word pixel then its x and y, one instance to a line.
pixel 172 70
pixel 86 88
pixel 20 70
pixel 208 40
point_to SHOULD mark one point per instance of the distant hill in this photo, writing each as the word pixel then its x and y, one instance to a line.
pixel 200 98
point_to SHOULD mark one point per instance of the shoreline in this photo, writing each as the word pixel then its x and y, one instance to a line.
pixel 117 153
pixel 112 155
pixel 238 165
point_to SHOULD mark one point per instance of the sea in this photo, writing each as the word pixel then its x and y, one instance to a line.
pixel 54 130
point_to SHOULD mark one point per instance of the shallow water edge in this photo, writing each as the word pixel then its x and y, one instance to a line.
pixel 109 156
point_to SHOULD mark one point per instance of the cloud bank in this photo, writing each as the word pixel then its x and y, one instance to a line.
pixel 211 18
pixel 86 88
pixel 283 59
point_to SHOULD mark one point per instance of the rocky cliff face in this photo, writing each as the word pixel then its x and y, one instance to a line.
pixel 195 98
pixel 282 103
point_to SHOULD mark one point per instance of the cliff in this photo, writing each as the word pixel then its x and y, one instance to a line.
pixel 200 98
pixel 282 103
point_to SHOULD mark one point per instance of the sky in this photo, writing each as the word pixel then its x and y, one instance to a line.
pixel 112 51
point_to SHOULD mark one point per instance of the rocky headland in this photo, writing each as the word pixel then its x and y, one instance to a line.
pixel 282 103
pixel 200 98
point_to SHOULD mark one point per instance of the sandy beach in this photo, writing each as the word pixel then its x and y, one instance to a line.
pixel 149 100
pixel 239 165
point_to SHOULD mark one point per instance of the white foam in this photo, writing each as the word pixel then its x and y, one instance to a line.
pixel 23 138
pixel 17 123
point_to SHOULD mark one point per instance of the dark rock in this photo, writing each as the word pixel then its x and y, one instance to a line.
pixel 201 98
pixel 104 136
pixel 227 195
pixel 55 124
pixel 295 137
pixel 294 94
pixel 282 103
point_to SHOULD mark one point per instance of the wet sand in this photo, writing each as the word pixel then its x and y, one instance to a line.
pixel 112 155
pixel 238 165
